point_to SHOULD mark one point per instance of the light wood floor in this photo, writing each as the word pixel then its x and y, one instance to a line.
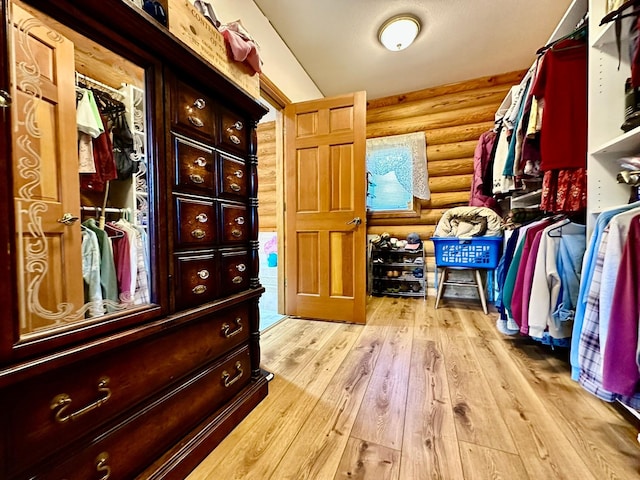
pixel 420 393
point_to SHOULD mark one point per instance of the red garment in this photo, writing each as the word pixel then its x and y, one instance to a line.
pixel 105 163
pixel 562 82
pixel 481 161
pixel 564 191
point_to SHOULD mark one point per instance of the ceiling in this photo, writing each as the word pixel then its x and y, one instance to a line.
pixel 336 41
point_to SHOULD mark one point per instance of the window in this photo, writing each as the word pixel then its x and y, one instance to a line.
pixel 396 172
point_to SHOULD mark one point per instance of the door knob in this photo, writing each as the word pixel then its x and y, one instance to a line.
pixel 5 99
pixel 355 221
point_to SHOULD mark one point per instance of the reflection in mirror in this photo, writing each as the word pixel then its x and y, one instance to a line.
pixel 79 177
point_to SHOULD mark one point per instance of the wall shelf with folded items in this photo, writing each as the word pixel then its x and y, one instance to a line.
pixel 397 272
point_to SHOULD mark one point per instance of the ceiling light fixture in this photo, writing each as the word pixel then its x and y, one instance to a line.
pixel 399 32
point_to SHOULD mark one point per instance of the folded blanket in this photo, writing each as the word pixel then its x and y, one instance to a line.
pixel 464 222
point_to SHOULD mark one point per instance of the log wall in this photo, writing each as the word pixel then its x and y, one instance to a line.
pixel 452 118
pixel 267 200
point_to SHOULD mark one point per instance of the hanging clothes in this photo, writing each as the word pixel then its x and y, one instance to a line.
pixel 620 370
pixel 91 272
pixel 108 277
pixel 555 281
pixel 562 84
pixel 481 163
pixel 588 267
pixel 589 359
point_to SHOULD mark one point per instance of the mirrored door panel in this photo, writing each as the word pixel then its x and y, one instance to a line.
pixel 80 183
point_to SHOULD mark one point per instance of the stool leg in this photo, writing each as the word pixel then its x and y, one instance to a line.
pixel 441 281
pixel 483 298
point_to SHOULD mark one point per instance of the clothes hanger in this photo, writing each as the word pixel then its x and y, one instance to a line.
pixel 558 228
pixel 577 34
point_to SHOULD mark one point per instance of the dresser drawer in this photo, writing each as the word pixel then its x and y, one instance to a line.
pixel 234 272
pixel 196 280
pixel 55 409
pixel 194 110
pixel 233 178
pixel 235 226
pixel 138 441
pixel 194 166
pixel 195 222
pixel 233 132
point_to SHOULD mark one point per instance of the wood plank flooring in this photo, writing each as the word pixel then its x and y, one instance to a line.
pixel 420 393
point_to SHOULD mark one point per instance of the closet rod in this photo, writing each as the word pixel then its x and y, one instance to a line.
pixel 105 209
pixel 100 85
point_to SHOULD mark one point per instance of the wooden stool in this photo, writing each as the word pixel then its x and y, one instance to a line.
pixel 475 283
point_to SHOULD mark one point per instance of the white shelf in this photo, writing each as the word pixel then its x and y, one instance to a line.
pixel 606 38
pixel 625 144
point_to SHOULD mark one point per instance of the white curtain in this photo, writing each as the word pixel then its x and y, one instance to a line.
pixel 389 154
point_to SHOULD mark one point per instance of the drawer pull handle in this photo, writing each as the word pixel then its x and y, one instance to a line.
pixel 226 376
pixel 237 280
pixel 195 178
pixel 235 187
pixel 200 161
pixel 202 217
pixel 199 103
pixel 199 289
pixel 59 403
pixel 195 121
pixel 236 233
pixel 234 139
pixel 239 173
pixel 240 220
pixel 102 467
pixel 203 274
pixel 241 267
pixel 226 328
pixel 198 233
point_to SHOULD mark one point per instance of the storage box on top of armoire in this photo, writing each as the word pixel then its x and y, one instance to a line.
pixel 193 29
pixel 474 252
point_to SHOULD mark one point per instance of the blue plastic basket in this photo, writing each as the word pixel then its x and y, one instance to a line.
pixel 476 252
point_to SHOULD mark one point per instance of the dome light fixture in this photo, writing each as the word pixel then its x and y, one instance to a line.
pixel 399 32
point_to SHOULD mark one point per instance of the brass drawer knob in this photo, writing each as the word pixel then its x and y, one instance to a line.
pixel 239 220
pixel 202 217
pixel 234 139
pixel 200 161
pixel 199 289
pixel 199 103
pixel 198 233
pixel 237 280
pixel 203 274
pixel 241 267
pixel 235 187
pixel 239 173
pixel 195 178
pixel 238 125
pixel 236 233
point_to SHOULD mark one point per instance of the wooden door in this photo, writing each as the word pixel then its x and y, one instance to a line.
pixel 45 175
pixel 325 250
